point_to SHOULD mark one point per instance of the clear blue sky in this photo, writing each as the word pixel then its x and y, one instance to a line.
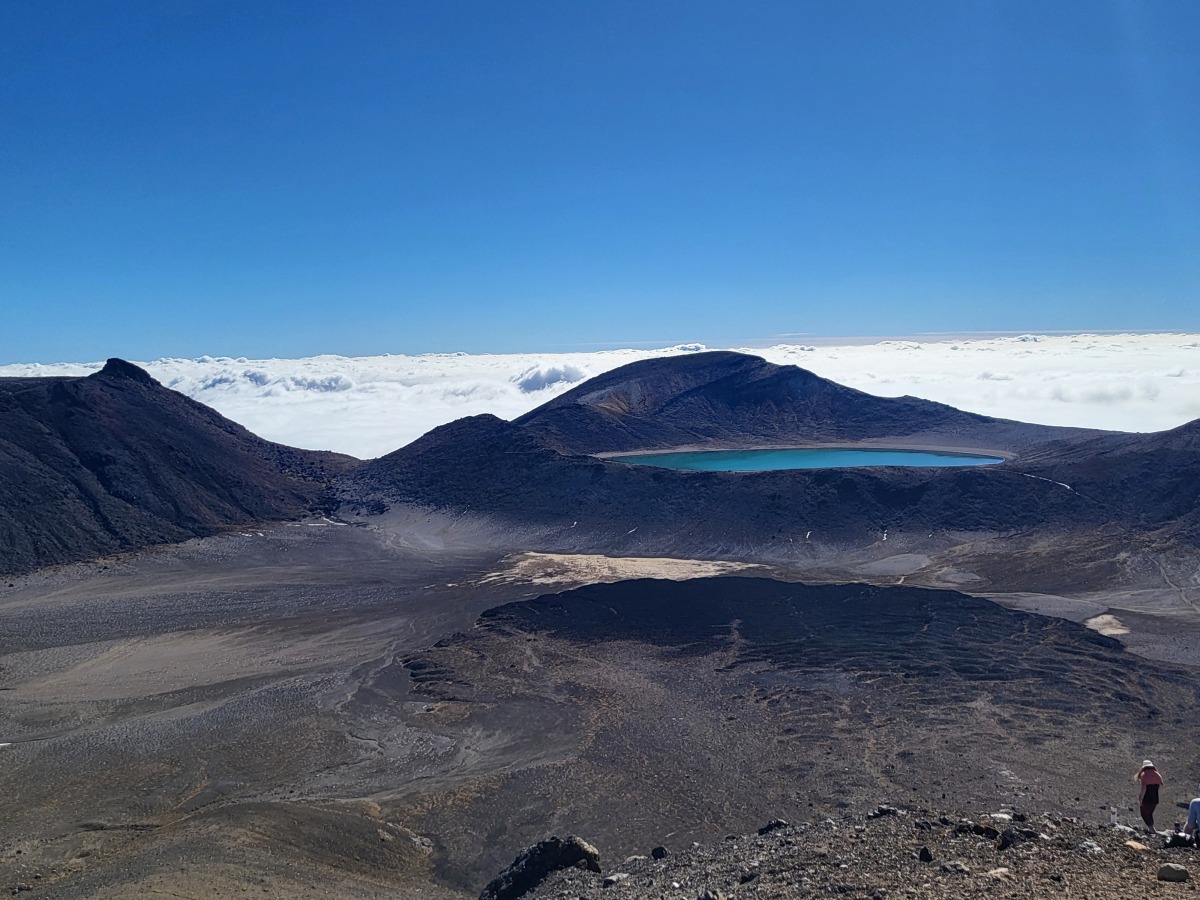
pixel 287 177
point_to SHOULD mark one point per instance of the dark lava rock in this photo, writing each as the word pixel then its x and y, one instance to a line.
pixel 659 852
pixel 1172 872
pixel 924 855
pixel 533 864
pixel 773 825
pixel 880 812
pixel 978 829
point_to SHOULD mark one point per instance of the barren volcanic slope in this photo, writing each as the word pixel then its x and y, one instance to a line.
pixel 1150 481
pixel 115 461
pixel 725 398
pixel 542 498
pixel 671 712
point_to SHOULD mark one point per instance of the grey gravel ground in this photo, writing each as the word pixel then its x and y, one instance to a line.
pixel 234 715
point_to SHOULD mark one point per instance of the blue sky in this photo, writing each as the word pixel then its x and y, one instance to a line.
pixel 290 178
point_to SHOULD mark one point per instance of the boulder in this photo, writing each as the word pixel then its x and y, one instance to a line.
pixel 773 825
pixel 1014 835
pixel 880 811
pixel 1172 872
pixel 924 855
pixel 659 852
pixel 1090 848
pixel 977 828
pixel 533 864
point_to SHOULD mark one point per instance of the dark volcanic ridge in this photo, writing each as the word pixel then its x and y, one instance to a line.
pixel 575 502
pixel 115 461
pixel 537 479
pixel 722 398
pixel 690 709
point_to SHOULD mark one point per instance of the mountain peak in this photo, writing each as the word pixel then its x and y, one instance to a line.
pixel 119 368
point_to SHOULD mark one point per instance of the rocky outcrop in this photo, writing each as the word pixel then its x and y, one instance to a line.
pixel 532 866
pixel 882 857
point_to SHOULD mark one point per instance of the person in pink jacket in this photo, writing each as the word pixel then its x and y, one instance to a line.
pixel 1150 780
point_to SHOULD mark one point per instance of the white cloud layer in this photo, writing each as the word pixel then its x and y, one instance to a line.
pixel 368 406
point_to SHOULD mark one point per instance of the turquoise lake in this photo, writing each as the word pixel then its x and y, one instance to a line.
pixel 807 458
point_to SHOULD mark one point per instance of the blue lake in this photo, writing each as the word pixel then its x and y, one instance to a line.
pixel 806 458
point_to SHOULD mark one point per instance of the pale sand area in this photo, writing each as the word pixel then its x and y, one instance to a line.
pixel 583 568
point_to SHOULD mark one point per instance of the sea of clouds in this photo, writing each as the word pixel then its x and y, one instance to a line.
pixel 368 406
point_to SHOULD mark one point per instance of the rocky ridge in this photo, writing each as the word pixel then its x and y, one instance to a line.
pixel 896 853
pixel 729 398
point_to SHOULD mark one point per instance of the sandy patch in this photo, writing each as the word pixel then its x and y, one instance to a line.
pixel 956 577
pixel 156 664
pixel 903 564
pixel 569 568
pixel 1107 624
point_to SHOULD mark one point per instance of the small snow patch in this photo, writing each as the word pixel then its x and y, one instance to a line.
pixel 1107 624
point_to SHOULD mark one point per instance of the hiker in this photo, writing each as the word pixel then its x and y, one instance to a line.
pixel 1193 819
pixel 1150 780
